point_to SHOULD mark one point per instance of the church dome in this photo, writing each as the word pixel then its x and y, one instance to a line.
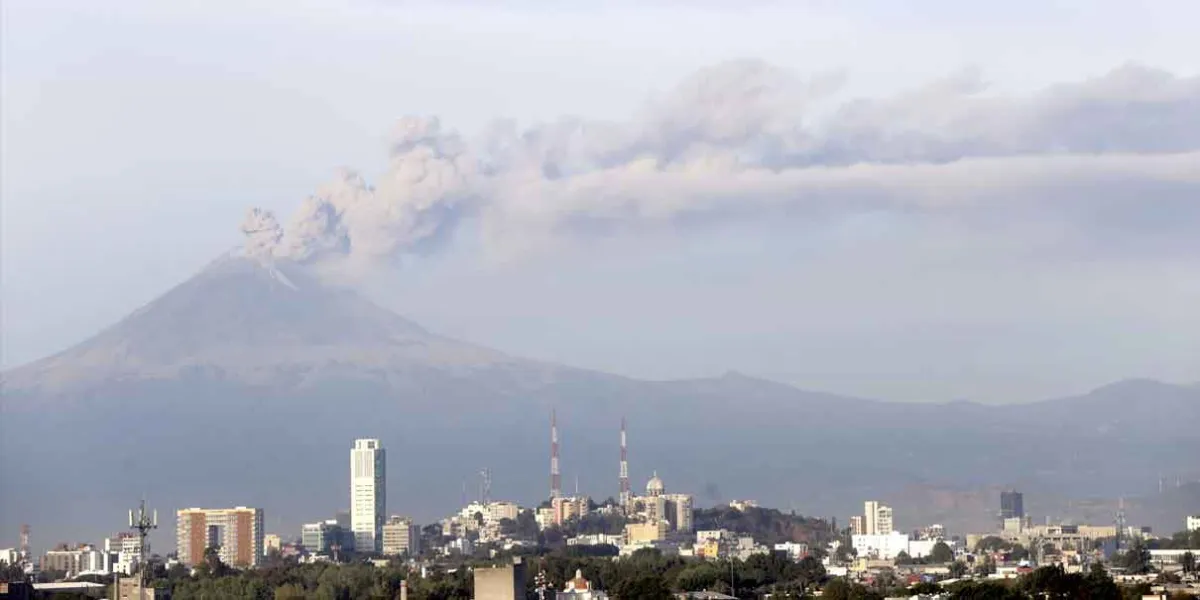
pixel 655 486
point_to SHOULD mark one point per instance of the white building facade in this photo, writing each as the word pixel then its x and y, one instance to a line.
pixel 368 494
pixel 882 546
pixel 1193 523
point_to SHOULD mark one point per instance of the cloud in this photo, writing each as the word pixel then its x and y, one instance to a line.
pixel 749 137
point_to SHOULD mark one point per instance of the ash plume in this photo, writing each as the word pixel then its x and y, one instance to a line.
pixel 749 137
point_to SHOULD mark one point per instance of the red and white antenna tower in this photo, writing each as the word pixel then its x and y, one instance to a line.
pixel 555 478
pixel 625 495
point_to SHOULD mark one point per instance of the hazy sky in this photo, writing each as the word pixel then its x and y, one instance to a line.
pixel 993 201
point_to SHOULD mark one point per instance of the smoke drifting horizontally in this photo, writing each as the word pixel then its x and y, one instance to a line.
pixel 748 137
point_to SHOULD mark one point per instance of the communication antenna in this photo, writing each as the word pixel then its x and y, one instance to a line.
pixel 485 486
pixel 143 522
pixel 624 496
pixel 1120 522
pixel 555 478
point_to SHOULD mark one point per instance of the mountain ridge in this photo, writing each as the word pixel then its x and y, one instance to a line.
pixel 246 384
pixel 385 338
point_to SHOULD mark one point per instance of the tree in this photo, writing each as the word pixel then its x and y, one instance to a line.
pixel 1188 560
pixel 290 591
pixel 903 558
pixel 1099 586
pixel 212 566
pixel 1018 553
pixel 992 543
pixel 840 589
pixel 941 553
pixel 13 572
pixel 1136 559
pixel 697 577
pixel 508 527
pixel 958 569
pixel 985 568
pixel 809 572
pixel 643 587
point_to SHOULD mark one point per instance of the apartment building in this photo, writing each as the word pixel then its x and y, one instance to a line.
pixel 236 534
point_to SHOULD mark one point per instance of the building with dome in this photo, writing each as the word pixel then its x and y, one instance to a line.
pixel 580 589
pixel 657 505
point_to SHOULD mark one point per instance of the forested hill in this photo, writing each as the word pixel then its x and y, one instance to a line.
pixel 766 525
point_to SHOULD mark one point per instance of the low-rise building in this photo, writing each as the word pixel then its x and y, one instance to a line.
pixel 745 547
pixel 794 550
pixel 401 537
pixel 566 508
pixel 544 517
pixel 84 559
pixel 580 589
pixel 637 533
pixel 884 546
pixel 326 538
pixel 506 582
pixel 932 532
pixel 596 539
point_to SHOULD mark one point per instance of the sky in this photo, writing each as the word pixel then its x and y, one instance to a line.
pixel 919 201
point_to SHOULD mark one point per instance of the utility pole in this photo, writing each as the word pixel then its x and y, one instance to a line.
pixel 143 523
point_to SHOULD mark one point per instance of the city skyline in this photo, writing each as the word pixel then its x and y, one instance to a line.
pixel 820 293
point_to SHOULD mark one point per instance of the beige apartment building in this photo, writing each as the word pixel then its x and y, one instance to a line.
pixel 401 537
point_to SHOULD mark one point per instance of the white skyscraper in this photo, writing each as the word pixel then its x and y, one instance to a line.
pixel 368 495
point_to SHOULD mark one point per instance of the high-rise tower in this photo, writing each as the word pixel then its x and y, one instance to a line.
pixel 368 494
pixel 555 478
pixel 625 495
pixel 1012 505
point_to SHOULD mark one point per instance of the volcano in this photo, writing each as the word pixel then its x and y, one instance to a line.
pixel 262 324
pixel 247 384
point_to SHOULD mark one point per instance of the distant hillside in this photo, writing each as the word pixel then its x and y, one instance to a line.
pixel 247 384
pixel 766 525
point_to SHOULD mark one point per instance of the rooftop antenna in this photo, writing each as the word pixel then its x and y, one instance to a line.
pixel 1120 522
pixel 143 522
pixel 624 496
pixel 555 478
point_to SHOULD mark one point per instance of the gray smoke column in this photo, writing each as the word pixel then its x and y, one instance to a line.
pixel 749 137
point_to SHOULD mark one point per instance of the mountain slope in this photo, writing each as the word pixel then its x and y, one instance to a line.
pixel 247 384
pixel 271 325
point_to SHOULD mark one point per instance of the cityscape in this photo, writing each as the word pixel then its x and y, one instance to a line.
pixel 615 300
pixel 505 545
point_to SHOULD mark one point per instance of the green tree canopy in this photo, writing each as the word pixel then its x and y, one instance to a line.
pixel 941 553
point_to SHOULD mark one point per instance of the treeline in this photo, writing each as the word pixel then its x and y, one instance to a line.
pixel 645 575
